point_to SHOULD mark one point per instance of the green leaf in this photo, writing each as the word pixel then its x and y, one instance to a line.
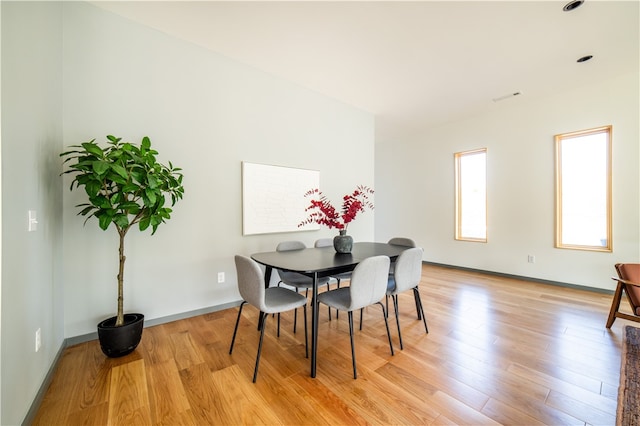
pixel 151 196
pixel 100 167
pixel 120 170
pixel 93 149
pixel 85 211
pixel 138 176
pixel 116 178
pixel 104 221
pixel 153 181
pixel 129 188
pixel 144 223
pixel 163 214
pixel 92 187
pixel 100 201
pixel 130 207
pixel 146 143
pixel 121 220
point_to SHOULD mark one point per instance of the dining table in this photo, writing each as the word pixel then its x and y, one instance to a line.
pixel 320 262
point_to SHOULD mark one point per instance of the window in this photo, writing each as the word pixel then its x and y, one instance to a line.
pixel 471 195
pixel 583 190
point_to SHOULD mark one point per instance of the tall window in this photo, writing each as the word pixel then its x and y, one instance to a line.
pixel 583 190
pixel 471 195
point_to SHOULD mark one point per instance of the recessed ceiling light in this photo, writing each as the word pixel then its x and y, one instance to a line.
pixel 574 4
pixel 585 58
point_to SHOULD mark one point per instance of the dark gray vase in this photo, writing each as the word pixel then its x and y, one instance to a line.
pixel 120 341
pixel 343 243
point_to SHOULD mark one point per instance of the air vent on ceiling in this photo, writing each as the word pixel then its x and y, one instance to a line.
pixel 510 95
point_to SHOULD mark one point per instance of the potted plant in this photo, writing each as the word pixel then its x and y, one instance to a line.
pixel 126 187
pixel 324 213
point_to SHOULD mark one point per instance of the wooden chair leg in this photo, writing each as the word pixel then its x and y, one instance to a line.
pixel 615 305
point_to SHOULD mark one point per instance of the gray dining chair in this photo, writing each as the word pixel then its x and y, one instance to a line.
pixel 402 241
pixel 406 242
pixel 368 286
pixel 294 279
pixel 271 300
pixel 328 242
pixel 408 273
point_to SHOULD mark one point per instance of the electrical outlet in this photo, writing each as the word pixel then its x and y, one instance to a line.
pixel 220 277
pixel 38 339
pixel 531 259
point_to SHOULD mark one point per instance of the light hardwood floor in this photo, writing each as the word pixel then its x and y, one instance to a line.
pixel 499 351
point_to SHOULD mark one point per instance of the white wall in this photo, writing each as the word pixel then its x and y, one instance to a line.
pixel 206 114
pixel 31 140
pixel 415 186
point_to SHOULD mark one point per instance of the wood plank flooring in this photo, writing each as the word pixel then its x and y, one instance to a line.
pixel 499 351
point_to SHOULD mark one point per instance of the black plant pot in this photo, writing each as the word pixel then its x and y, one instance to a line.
pixel 120 341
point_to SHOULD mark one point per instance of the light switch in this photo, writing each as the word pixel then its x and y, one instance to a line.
pixel 33 221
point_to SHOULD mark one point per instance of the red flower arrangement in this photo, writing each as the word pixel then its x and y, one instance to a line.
pixel 324 213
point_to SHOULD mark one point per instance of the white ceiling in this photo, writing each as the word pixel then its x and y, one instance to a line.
pixel 412 64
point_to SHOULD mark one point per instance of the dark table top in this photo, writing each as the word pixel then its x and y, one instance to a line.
pixel 325 260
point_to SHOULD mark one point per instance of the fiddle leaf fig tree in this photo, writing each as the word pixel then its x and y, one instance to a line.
pixel 126 187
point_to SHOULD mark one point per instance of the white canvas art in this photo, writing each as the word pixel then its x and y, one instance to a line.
pixel 273 198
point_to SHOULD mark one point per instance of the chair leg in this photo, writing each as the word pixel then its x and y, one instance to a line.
pixel 338 285
pixel 615 305
pixel 386 301
pixel 295 312
pixel 420 308
pixel 295 320
pixel 361 309
pixel 416 298
pixel 386 323
pixel 278 333
pixel 329 310
pixel 395 309
pixel 235 330
pixel 255 370
pixel 306 340
pixel 353 351
pixel 260 322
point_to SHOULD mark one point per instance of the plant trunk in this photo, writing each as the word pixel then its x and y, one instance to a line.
pixel 122 258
